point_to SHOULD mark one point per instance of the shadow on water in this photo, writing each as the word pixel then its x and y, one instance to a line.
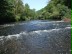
pixel 36 37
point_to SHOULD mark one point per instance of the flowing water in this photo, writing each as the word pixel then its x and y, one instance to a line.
pixel 36 37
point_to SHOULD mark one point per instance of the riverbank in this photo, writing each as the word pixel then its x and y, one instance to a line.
pixel 67 20
pixel 64 20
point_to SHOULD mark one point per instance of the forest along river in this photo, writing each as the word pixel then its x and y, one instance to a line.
pixel 36 37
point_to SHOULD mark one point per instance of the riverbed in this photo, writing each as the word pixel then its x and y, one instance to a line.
pixel 36 37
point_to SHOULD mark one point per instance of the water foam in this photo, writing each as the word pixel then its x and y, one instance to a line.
pixel 6 25
pixel 37 32
pixel 51 30
pixel 68 27
pixel 15 35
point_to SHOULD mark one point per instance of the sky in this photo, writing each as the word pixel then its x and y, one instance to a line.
pixel 36 4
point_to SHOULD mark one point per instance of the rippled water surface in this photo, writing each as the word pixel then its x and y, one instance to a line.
pixel 36 37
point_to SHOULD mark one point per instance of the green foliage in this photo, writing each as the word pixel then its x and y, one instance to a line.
pixel 14 10
pixel 18 9
pixel 6 14
pixel 68 3
pixel 56 10
pixel 28 14
pixel 68 14
pixel 10 10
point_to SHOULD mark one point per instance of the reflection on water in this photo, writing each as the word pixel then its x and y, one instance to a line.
pixel 36 37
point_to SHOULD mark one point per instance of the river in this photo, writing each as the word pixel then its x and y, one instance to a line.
pixel 36 37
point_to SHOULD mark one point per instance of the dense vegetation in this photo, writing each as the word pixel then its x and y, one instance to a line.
pixel 14 10
pixel 56 9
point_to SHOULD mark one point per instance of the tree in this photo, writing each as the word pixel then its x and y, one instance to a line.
pixel 18 8
pixel 28 14
pixel 6 14
pixel 56 9
pixel 10 10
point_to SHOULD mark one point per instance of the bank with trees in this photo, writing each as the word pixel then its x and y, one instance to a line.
pixel 15 10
